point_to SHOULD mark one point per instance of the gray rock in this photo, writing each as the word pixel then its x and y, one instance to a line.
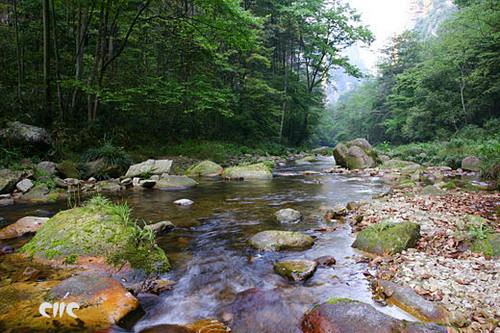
pixel 184 202
pixel 161 227
pixel 109 186
pixel 24 185
pixel 8 180
pixel 296 270
pixel 175 183
pixel 288 215
pixel 46 168
pixel 333 212
pixel 355 154
pixel 471 163
pixel 277 240
pixel 6 202
pixel 153 167
pixel 325 261
pixel 205 169
pixel 253 171
pixel 18 132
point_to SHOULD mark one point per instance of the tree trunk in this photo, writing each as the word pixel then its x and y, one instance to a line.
pixel 56 59
pixel 46 60
pixel 18 55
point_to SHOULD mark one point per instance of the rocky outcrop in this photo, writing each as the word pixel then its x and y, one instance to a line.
pixel 277 240
pixel 296 270
pixel 149 167
pixel 263 311
pixel 288 215
pixel 355 154
pixel 8 180
pixel 252 171
pixel 23 226
pixel 387 238
pixel 19 133
pixel 471 163
pixel 168 182
pixel 348 316
pixel 99 228
pixel 102 302
pixel 408 300
pixel 205 169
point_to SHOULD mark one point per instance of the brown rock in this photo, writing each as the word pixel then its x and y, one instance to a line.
pixel 25 225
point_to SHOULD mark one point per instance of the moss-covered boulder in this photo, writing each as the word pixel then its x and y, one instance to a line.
pixel 296 270
pixel 41 193
pixel 101 229
pixel 205 169
pixel 251 171
pixel 355 154
pixel 401 165
pixel 169 182
pixel 277 240
pixel 387 238
pixel 68 169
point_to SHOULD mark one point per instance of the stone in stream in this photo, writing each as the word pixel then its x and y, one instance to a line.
pixel 355 154
pixel 277 240
pixel 200 326
pixel 184 202
pixel 387 238
pixel 348 316
pixel 296 270
pixel 252 171
pixel 41 193
pixel 148 183
pixel 160 228
pixel 168 182
pixel 8 180
pixel 152 167
pixel 288 215
pixel 263 311
pixel 325 261
pixel 408 300
pixel 109 186
pixel 205 169
pixel 23 226
pixel 102 302
pixel 333 212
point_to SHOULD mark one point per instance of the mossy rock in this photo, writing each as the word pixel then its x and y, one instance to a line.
pixel 41 193
pixel 251 171
pixel 8 180
pixel 387 238
pixel 68 169
pixel 99 228
pixel 277 240
pixel 205 169
pixel 296 270
pixel 489 246
pixel 172 182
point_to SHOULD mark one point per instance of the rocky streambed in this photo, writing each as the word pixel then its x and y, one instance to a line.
pixel 272 254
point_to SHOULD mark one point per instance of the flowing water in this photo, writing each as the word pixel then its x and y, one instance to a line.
pixel 209 250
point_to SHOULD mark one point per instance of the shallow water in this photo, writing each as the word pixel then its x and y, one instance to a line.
pixel 209 250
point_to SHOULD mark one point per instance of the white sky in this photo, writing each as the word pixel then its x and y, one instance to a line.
pixel 385 18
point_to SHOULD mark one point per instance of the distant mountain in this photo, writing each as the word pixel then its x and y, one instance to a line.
pixel 427 15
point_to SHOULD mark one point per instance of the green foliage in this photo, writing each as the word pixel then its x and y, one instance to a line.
pixel 112 155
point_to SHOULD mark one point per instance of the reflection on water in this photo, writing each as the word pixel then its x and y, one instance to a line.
pixel 209 251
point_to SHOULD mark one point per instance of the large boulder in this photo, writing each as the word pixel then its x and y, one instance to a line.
pixel 102 303
pixel 296 270
pixel 411 302
pixel 99 228
pixel 348 316
pixel 68 169
pixel 277 240
pixel 149 167
pixel 19 133
pixel 252 171
pixel 41 193
pixel 263 311
pixel 471 163
pixel 23 226
pixel 205 169
pixel 46 169
pixel 355 154
pixel 102 169
pixel 8 180
pixel 288 215
pixel 168 182
pixel 387 238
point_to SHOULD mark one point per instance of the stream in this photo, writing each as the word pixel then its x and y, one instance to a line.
pixel 209 250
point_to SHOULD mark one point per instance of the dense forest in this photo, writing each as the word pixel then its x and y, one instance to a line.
pixel 168 71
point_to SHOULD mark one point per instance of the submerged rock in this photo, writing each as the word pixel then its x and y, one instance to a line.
pixel 99 228
pixel 205 169
pixel 102 302
pixel 150 167
pixel 8 180
pixel 277 240
pixel 348 316
pixel 263 311
pixel 252 171
pixel 296 270
pixel 408 300
pixel 23 226
pixel 175 183
pixel 288 215
pixel 388 238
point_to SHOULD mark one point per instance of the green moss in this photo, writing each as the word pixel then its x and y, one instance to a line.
pixel 99 228
pixel 68 169
pixel 388 238
pixel 260 170
pixel 335 300
pixel 204 168
pixel 451 185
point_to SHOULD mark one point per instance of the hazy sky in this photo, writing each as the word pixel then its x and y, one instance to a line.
pixel 385 18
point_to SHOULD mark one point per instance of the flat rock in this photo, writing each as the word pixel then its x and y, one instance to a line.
pixel 296 270
pixel 153 167
pixel 277 240
pixel 23 226
pixel 184 202
pixel 168 182
pixel 24 185
pixel 288 215
pixel 252 171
